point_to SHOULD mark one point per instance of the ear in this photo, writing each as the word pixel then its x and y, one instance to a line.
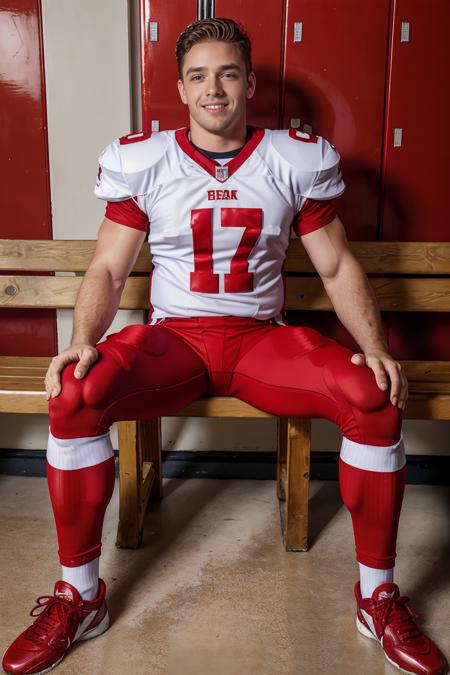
pixel 181 91
pixel 251 85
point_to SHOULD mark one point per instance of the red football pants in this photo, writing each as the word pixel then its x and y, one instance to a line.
pixel 151 371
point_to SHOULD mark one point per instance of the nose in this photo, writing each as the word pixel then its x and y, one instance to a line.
pixel 214 86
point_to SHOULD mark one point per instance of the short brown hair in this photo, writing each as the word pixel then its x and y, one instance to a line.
pixel 223 30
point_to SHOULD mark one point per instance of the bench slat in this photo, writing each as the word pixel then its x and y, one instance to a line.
pixel 420 406
pixel 22 383
pixel 68 255
pixel 33 366
pixel 61 292
pixel 377 257
pixel 21 361
pixel 380 257
pixel 406 295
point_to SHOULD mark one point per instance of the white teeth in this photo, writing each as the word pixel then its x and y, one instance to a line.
pixel 214 107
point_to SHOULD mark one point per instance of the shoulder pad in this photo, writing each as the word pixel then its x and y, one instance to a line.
pixel 141 151
pixel 302 150
pixel 314 162
pixel 125 165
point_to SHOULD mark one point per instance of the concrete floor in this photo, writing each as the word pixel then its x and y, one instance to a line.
pixel 212 591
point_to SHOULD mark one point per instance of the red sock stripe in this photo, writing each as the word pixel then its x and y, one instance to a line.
pixel 79 499
pixel 374 499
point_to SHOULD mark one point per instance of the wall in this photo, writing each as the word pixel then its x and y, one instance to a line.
pixel 87 66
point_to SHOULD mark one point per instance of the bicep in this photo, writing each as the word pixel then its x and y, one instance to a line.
pixel 328 248
pixel 117 249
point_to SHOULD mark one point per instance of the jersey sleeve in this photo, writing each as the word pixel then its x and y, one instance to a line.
pixel 328 182
pixel 313 215
pixel 111 183
pixel 127 213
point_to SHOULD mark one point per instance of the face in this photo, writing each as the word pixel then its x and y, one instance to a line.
pixel 215 86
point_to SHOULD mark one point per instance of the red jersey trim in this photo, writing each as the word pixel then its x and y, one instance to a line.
pixel 313 215
pixel 181 136
pixel 127 213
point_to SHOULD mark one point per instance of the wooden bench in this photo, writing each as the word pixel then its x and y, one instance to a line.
pixel 406 276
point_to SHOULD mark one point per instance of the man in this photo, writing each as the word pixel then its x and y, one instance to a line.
pixel 218 199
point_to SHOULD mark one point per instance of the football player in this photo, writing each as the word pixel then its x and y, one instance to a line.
pixel 216 201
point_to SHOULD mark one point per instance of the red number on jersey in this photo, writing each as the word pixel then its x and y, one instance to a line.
pixel 239 279
pixel 302 136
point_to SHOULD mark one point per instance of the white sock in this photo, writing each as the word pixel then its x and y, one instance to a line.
pixel 84 578
pixel 371 578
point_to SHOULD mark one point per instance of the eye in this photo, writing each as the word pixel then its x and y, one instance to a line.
pixel 194 78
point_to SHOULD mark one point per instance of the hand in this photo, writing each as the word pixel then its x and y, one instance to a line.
pixel 385 368
pixel 86 355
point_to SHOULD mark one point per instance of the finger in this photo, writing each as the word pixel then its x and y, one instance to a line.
pixel 53 377
pixel 358 359
pixel 88 357
pixel 380 373
pixel 393 370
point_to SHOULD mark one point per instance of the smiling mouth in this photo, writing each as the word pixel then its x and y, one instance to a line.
pixel 215 107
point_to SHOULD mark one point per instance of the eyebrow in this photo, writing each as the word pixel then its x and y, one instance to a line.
pixel 199 69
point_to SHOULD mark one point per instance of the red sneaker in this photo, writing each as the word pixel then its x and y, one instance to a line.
pixel 63 619
pixel 386 617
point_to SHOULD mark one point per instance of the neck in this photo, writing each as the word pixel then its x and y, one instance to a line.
pixel 220 142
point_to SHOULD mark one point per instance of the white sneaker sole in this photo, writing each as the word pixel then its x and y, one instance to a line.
pixel 368 633
pixel 98 630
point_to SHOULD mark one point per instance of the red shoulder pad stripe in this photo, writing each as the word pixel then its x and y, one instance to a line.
pixel 134 138
pixel 302 136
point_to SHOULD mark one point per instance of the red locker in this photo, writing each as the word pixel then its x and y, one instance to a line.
pixel 334 81
pixel 161 24
pixel 25 194
pixel 416 174
pixel 266 31
pixel 160 28
pixel 416 170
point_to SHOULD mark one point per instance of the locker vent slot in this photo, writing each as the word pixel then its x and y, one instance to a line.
pixel 153 31
pixel 398 137
pixel 404 37
pixel 298 31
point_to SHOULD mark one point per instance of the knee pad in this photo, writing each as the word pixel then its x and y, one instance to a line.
pixel 368 415
pixel 356 384
pixel 70 414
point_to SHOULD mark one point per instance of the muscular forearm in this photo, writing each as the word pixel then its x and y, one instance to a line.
pixel 96 306
pixel 355 304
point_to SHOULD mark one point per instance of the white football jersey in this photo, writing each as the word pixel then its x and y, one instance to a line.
pixel 218 233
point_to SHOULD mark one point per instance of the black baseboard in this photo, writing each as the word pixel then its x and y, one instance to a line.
pixel 420 469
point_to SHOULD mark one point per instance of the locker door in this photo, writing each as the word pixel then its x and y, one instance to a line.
pixel 416 170
pixel 25 189
pixel 416 176
pixel 334 82
pixel 161 23
pixel 265 30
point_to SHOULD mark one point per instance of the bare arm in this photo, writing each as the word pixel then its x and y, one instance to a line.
pixel 98 298
pixel 99 295
pixel 355 304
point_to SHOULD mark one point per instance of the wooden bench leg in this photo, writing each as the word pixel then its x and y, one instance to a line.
pixel 293 485
pixel 281 457
pixel 140 476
